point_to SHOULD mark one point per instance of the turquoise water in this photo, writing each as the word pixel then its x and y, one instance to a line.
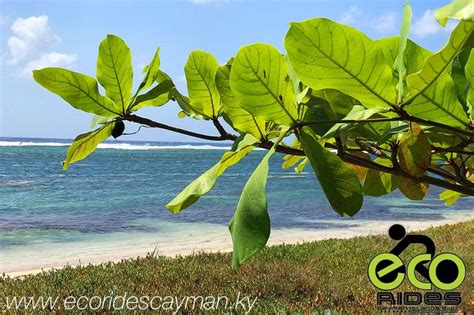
pixel 122 188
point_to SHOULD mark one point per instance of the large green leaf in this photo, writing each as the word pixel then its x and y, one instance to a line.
pixel 433 94
pixel 458 74
pixel 259 79
pixel 204 183
pixel 469 72
pixel 157 96
pixel 339 182
pixel 379 183
pixel 114 70
pixel 325 54
pixel 439 103
pixel 339 103
pixel 151 72
pixel 200 71
pixel 234 114
pixel 436 64
pixel 86 143
pixel 175 95
pixel 414 151
pixel 458 9
pixel 414 55
pixel 399 64
pixel 250 225
pixel 412 189
pixel 79 90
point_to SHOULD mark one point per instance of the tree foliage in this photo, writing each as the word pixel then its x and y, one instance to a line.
pixel 369 116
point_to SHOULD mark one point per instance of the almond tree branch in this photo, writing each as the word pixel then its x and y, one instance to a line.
pixel 345 156
pixel 155 124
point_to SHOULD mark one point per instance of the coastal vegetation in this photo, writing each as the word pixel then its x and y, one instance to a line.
pixel 368 116
pixel 309 277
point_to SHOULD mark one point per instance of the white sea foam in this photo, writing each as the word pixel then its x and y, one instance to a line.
pixel 117 146
pixel 127 146
pixel 31 144
pixel 14 182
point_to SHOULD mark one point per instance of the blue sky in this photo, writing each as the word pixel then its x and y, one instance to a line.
pixel 36 34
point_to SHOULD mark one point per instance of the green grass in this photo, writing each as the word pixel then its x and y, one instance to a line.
pixel 310 277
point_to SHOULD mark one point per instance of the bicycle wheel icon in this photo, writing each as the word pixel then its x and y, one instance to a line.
pixel 447 271
pixel 386 271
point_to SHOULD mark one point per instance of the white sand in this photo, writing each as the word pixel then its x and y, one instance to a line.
pixel 209 238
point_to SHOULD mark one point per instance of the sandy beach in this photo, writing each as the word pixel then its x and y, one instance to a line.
pixel 208 238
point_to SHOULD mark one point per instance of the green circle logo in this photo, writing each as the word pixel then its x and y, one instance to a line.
pixel 386 271
pixel 382 267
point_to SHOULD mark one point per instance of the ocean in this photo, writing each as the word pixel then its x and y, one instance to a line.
pixel 113 203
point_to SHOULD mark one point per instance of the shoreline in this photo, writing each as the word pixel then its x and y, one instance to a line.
pixel 212 239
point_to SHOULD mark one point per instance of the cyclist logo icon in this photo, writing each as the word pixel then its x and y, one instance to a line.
pixel 387 271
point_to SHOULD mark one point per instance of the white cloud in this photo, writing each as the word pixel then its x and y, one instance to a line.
pixel 427 25
pixel 52 59
pixel 386 22
pixel 351 15
pixel 30 46
pixel 31 35
pixel 204 2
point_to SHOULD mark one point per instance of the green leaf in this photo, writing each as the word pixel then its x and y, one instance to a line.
pixel 414 54
pixel 200 71
pixel 433 95
pixel 360 171
pixel 436 64
pixel 315 113
pixel 86 143
pixel 291 160
pixel 157 96
pixel 175 95
pixel 340 104
pixel 439 103
pixel 469 72
pixel 260 82
pixel 96 120
pixel 458 9
pixel 339 182
pixel 325 54
pixel 412 189
pixel 458 74
pixel 300 167
pixel 358 112
pixel 449 196
pixel 250 225
pixel 204 183
pixel 114 71
pixel 399 64
pixel 234 114
pixel 79 90
pixel 151 73
pixel 379 183
pixel 414 151
pixel 185 104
